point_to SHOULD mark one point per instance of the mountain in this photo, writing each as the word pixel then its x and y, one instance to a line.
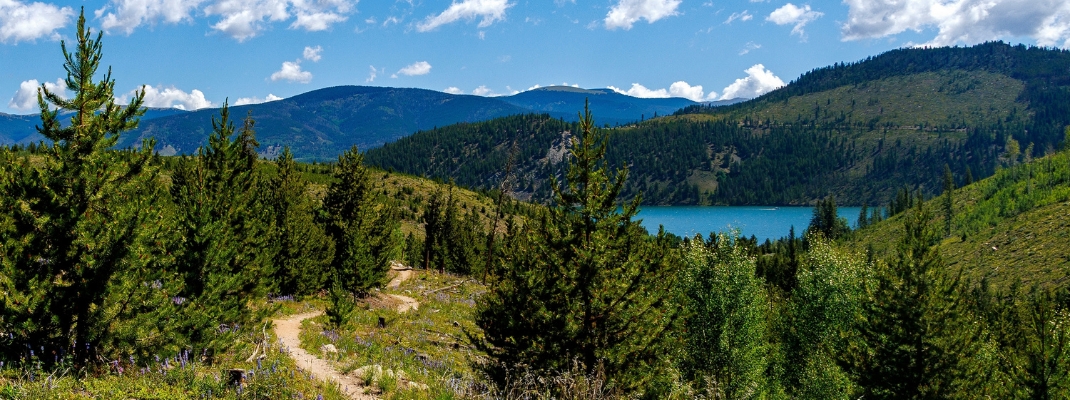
pixel 612 108
pixel 323 123
pixel 858 131
pixel 20 129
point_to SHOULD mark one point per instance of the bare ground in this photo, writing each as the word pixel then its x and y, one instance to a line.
pixel 288 331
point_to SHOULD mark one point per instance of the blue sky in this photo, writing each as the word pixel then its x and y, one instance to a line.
pixel 196 53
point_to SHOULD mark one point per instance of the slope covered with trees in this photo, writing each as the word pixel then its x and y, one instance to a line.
pixel 857 131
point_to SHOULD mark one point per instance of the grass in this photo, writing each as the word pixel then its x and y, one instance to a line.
pixel 1009 228
pixel 272 376
pixel 428 346
pixel 945 98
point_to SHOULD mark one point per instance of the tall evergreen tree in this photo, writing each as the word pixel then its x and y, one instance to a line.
pixel 80 227
pixel 226 255
pixel 918 339
pixel 827 221
pixel 948 201
pixel 582 282
pixel 363 231
pixel 304 249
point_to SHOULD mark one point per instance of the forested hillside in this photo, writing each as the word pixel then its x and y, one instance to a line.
pixel 857 131
pixel 1009 229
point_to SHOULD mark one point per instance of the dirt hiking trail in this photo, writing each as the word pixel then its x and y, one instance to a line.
pixel 404 274
pixel 289 332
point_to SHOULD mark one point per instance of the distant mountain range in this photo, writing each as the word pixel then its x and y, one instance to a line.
pixel 320 124
pixel 22 129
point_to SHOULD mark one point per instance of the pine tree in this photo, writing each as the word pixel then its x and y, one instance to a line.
pixel 226 256
pixel 917 336
pixel 362 230
pixel 948 201
pixel 80 228
pixel 863 216
pixel 827 221
pixel 581 283
pixel 304 250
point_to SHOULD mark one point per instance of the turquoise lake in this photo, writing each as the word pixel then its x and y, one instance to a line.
pixel 762 222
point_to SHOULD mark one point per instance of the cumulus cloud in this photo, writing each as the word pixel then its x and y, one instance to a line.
pixel 483 90
pixel 453 90
pixel 743 16
pixel 490 11
pixel 628 12
pixel 641 91
pixel 23 22
pixel 171 97
pixel 677 89
pixel 25 97
pixel 125 15
pixel 240 19
pixel 759 81
pixel 961 21
pixel 291 71
pixel 791 14
pixel 256 100
pixel 313 54
pixel 417 68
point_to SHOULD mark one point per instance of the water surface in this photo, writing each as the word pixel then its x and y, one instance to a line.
pixel 761 222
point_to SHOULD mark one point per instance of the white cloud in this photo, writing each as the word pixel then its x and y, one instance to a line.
pixel 490 11
pixel 256 100
pixel 20 21
pixel 240 19
pixel 313 54
pixel 759 81
pixel 961 21
pixel 372 74
pixel 483 90
pixel 170 97
pixel 748 47
pixel 25 98
pixel 125 15
pixel 453 90
pixel 743 16
pixel 291 71
pixel 693 93
pixel 628 12
pixel 790 14
pixel 677 89
pixel 243 19
pixel 417 68
pixel 319 15
pixel 641 91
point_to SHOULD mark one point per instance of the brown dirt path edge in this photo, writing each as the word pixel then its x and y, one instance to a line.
pixel 404 274
pixel 288 331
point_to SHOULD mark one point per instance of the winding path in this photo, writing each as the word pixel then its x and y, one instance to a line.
pixel 288 331
pixel 404 274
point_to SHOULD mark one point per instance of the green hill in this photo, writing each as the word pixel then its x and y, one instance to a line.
pixel 1011 227
pixel 857 131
